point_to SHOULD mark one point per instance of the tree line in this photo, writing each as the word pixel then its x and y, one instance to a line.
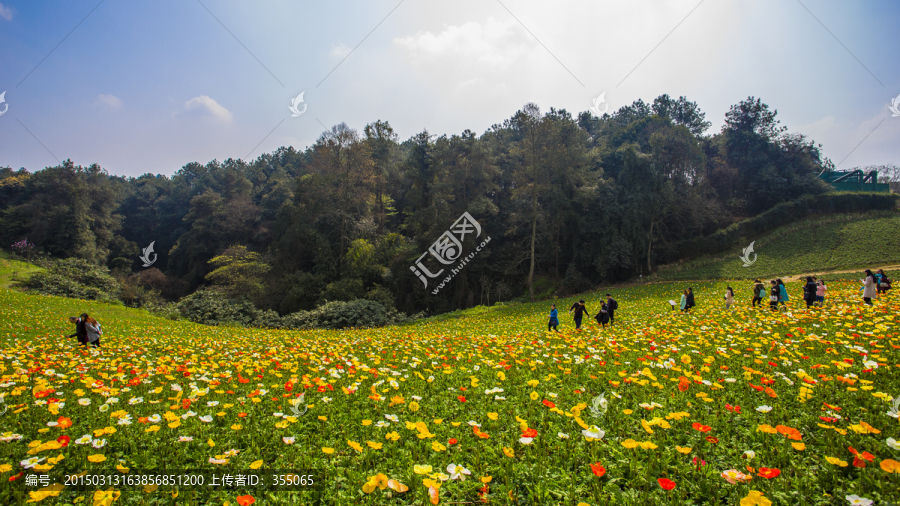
pixel 568 201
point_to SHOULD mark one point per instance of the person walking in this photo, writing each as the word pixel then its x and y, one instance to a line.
pixel 683 303
pixel 809 292
pixel 603 316
pixel 554 319
pixel 820 292
pixel 729 298
pixel 80 330
pixel 94 331
pixel 577 310
pixel 759 291
pixel 884 283
pixel 869 287
pixel 611 306
pixel 782 293
pixel 690 299
pixel 774 296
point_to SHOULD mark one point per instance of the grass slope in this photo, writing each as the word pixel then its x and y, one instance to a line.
pixel 806 247
pixel 391 399
pixel 14 272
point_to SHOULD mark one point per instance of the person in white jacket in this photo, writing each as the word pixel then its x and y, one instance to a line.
pixel 729 297
pixel 869 287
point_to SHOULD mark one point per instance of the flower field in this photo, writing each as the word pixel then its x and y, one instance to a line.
pixel 742 407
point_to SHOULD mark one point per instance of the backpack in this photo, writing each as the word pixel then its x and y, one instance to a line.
pixel 613 305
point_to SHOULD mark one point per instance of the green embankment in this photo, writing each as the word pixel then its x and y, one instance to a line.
pixel 13 272
pixel 811 246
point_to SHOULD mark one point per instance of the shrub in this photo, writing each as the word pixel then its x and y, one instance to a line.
pixel 211 307
pixel 76 278
pixel 338 315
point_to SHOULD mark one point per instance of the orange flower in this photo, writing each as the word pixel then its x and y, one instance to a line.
pixel 768 473
pixel 548 404
pixel 245 500
pixel 64 423
pixel 598 470
pixel 683 383
pixel 890 466
pixel 666 483
pixel 701 427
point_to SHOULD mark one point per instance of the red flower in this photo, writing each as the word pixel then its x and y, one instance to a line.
pixel 548 404
pixel 701 427
pixel 858 462
pixel 452 441
pixel 63 440
pixel 768 473
pixel 712 439
pixel 698 462
pixel 598 470
pixel 529 432
pixel 461 398
pixel 245 500
pixel 666 483
pixel 185 403
pixel 827 419
pixel 242 415
pixel 288 386
pixel 17 476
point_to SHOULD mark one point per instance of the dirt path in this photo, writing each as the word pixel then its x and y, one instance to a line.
pixel 860 271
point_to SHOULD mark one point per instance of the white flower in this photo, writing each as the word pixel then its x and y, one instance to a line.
pixel 393 418
pixel 458 472
pixel 730 380
pixel 749 454
pixel 33 461
pixel 498 398
pixel 856 500
pixel 278 415
pixel 381 424
pixel 552 395
pixel 213 460
pixel 52 424
pixel 232 452
pixel 85 439
pixel 124 421
pixel 526 440
pixel 206 418
pixel 98 443
pixel 84 401
pixel 473 423
pixel 416 397
pixel 288 440
pixel 593 432
pixel 893 443
pixel 562 435
pixel 326 399
pixel 870 364
pixel 212 404
pixel 135 400
pixel 104 408
pixel 154 418
pixel 112 400
pixel 764 409
pixel 185 439
pixel 176 387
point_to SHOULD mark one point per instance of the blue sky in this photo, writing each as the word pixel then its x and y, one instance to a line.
pixel 145 86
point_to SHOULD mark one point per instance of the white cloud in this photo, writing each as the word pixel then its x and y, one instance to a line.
pixel 494 43
pixel 6 12
pixel 109 100
pixel 205 106
pixel 339 51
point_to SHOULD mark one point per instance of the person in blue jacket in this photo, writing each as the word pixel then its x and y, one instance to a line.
pixel 782 293
pixel 554 319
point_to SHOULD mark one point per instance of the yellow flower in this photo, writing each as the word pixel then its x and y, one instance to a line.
pixel 683 449
pixel 367 422
pixel 438 447
pixel 96 458
pixel 755 498
pixel 327 451
pixel 211 443
pixel 799 446
pixel 425 469
pixel 646 426
pixel 106 497
pixel 836 461
pixel 5 468
pixel 256 464
pixel 627 411
pixel 768 429
pixel 150 488
pixel 456 424
pixel 493 416
pixel 533 383
pixel 236 426
pixel 534 396
pixel 413 406
pixel 630 443
pixel 52 460
pixel 508 452
pixel 486 479
pixel 373 445
pixel 647 445
pixel 356 446
pixel 438 421
pixel 122 469
pixel 323 418
pixel 45 492
pixel 175 424
pixel 152 428
pixel 392 436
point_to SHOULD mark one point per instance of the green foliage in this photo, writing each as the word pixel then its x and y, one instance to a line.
pixel 76 278
pixel 212 307
pixel 238 272
pixel 339 315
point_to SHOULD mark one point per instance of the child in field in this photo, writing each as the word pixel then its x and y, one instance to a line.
pixel 820 292
pixel 729 297
pixel 683 303
pixel 554 319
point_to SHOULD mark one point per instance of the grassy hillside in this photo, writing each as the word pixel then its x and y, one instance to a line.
pixel 13 272
pixel 490 391
pixel 840 243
